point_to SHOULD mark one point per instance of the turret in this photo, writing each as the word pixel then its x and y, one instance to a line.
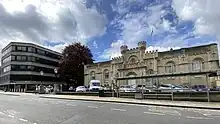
pixel 123 48
pixel 142 45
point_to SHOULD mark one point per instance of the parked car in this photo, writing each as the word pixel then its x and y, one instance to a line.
pixel 71 88
pixel 141 88
pixel 169 88
pixel 95 85
pixel 126 88
pixel 200 88
pixel 81 89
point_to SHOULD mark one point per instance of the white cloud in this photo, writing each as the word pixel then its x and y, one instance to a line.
pixel 136 26
pixel 52 20
pixel 205 14
pixel 95 44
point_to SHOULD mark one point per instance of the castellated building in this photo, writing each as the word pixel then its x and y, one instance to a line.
pixel 185 66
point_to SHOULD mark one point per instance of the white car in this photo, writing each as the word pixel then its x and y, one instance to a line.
pixel 169 88
pixel 143 88
pixel 81 89
pixel 126 88
pixel 95 85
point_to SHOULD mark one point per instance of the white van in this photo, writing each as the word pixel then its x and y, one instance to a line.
pixel 94 85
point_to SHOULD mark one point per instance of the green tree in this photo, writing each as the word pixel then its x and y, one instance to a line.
pixel 74 57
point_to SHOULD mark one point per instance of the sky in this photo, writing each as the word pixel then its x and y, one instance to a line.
pixel 105 25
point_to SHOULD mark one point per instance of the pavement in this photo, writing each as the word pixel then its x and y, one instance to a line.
pixel 166 103
pixel 31 109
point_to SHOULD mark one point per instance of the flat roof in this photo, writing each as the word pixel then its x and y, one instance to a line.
pixel 31 44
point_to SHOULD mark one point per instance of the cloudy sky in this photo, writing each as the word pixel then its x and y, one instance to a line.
pixel 105 25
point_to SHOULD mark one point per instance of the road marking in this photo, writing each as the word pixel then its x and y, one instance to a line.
pixel 11 116
pixel 115 109
pixel 154 113
pixel 199 118
pixel 21 119
pixel 212 115
pixel 70 105
pixel 2 113
pixel 92 106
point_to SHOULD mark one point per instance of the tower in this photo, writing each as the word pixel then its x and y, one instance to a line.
pixel 123 48
pixel 142 45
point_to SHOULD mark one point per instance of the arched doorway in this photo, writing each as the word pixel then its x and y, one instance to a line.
pixel 132 82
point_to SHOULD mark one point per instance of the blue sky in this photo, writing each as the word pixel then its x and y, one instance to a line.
pixel 105 25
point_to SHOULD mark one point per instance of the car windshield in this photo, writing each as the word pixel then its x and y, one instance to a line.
pixel 96 84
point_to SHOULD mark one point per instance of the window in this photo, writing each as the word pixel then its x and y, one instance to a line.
pixel 93 75
pixel 34 50
pixel 18 58
pixel 24 49
pixel 170 67
pixel 24 58
pixel 13 57
pixel 6 51
pixel 29 58
pixel 106 74
pixel 197 65
pixel 7 59
pixel 19 48
pixel 13 48
pixel 22 67
pixel 7 68
pixel 29 49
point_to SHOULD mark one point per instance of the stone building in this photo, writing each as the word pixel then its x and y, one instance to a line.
pixel 186 66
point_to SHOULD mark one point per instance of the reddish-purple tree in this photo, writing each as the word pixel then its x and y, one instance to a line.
pixel 75 56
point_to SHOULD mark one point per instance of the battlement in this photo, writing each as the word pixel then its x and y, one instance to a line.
pixel 151 54
pixel 117 58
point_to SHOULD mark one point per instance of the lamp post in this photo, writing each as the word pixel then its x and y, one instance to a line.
pixel 55 86
pixel 41 73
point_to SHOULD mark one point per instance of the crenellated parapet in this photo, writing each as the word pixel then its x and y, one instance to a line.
pixel 142 45
pixel 151 54
pixel 117 59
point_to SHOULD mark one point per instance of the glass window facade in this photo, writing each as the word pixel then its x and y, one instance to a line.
pixel 6 69
pixel 7 59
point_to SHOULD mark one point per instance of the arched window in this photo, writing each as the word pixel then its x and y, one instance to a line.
pixel 150 71
pixel 106 74
pixel 170 67
pixel 197 65
pixel 133 59
pixel 92 75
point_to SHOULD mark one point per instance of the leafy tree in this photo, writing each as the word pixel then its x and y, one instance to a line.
pixel 74 57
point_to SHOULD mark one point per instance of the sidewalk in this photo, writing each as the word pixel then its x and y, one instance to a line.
pixel 167 103
pixel 183 104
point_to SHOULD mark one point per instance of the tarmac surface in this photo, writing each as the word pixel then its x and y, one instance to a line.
pixel 31 109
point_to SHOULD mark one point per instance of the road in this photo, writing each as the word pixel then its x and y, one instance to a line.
pixel 30 109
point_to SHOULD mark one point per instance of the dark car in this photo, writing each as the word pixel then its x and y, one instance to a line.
pixel 200 88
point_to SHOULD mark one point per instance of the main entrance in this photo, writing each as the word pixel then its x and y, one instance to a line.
pixel 132 82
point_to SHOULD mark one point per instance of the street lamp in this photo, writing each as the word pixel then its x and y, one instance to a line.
pixel 41 73
pixel 55 86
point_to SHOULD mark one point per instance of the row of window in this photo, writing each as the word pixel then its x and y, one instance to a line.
pixel 7 59
pixel 28 78
pixel 29 59
pixel 31 50
pixel 31 68
pixel 6 69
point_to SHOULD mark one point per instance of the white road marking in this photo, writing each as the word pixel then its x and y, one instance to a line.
pixel 21 119
pixel 199 118
pixel 11 116
pixel 92 106
pixel 115 109
pixel 212 115
pixel 2 113
pixel 154 113
pixel 70 105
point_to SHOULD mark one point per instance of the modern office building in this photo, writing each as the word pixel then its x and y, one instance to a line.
pixel 23 65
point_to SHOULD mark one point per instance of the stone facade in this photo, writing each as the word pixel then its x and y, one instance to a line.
pixel 138 62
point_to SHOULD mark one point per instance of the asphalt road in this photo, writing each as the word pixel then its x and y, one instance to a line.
pixel 30 109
